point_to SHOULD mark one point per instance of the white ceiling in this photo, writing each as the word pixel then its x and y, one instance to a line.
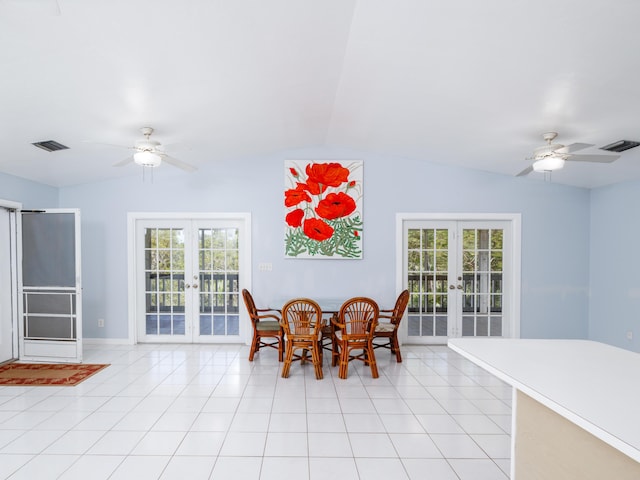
pixel 464 82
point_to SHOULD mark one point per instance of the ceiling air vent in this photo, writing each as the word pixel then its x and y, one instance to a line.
pixel 50 146
pixel 620 146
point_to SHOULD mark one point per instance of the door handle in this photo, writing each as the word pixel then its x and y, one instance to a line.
pixel 195 285
pixel 186 285
pixel 452 287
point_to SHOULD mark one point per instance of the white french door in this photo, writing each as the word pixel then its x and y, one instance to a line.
pixel 460 275
pixel 188 274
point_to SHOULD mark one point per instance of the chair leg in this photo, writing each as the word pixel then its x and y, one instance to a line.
pixel 372 361
pixel 287 361
pixel 320 351
pixel 344 362
pixel 396 348
pixel 280 348
pixel 254 347
pixel 316 355
pixel 335 352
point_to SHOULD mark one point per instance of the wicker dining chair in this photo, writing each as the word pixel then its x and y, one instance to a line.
pixel 302 324
pixel 354 329
pixel 266 325
pixel 388 330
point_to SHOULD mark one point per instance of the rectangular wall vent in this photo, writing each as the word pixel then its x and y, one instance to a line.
pixel 50 146
pixel 620 146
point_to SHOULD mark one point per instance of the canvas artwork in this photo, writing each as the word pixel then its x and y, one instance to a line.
pixel 323 209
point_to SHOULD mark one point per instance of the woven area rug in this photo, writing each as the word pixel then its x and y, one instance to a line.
pixel 48 374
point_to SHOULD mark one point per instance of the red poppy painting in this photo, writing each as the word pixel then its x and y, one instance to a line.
pixel 323 209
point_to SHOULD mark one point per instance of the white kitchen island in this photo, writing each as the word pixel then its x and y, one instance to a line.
pixel 576 406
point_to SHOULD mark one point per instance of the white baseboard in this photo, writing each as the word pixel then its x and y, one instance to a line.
pixel 107 341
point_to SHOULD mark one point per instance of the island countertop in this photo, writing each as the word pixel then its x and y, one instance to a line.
pixel 594 385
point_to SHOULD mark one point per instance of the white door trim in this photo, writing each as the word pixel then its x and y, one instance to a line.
pixel 134 217
pixel 514 220
pixel 16 279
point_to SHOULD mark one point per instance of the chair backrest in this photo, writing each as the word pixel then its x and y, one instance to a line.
pixel 358 317
pixel 301 316
pixel 250 304
pixel 400 307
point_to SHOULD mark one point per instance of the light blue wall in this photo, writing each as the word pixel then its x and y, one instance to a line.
pixel 615 264
pixel 555 224
pixel 31 195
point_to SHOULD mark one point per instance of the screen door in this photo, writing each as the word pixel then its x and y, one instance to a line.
pixel 51 326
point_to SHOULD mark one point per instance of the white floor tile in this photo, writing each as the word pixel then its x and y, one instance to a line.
pixel 326 422
pixel 159 443
pixel 381 468
pixel 374 445
pixel 468 469
pixel 33 441
pixel 286 444
pixel 458 446
pixel 245 468
pixel 74 442
pixel 205 411
pixel 496 446
pixel 330 468
pixel 192 468
pixel 11 463
pixel 247 444
pixel 44 467
pixel 201 443
pixel 414 446
pixel 140 468
pixel 250 422
pixel 288 422
pixel 116 442
pixel 420 468
pixel 329 445
pixel 401 423
pixel 363 423
pixel 95 467
pixel 279 468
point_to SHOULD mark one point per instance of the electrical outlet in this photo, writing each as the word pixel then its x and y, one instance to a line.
pixel 101 322
pixel 629 335
pixel 265 267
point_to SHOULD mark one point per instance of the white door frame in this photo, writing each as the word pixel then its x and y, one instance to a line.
pixel 15 276
pixel 132 249
pixel 513 219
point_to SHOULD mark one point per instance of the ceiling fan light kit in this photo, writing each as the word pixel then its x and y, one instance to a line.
pixel 548 164
pixel 147 159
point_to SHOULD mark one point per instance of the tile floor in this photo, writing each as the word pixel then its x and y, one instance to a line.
pixel 206 412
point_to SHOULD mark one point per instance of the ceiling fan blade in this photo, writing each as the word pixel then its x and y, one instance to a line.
pixel 124 162
pixel 574 147
pixel 177 163
pixel 593 158
pixel 526 171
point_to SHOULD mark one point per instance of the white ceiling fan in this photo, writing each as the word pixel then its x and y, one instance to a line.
pixel 552 156
pixel 149 153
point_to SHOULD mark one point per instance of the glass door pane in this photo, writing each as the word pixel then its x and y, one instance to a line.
pixel 218 272
pixel 482 273
pixel 428 280
pixel 164 270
